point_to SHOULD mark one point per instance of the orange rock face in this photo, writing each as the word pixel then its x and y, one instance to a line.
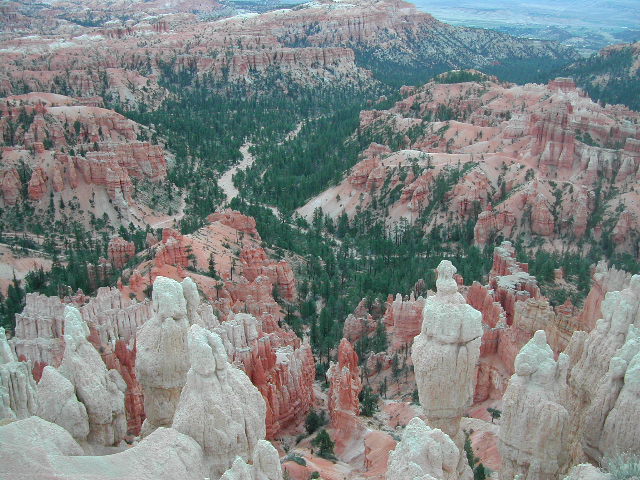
pixel 276 360
pixel 86 145
pixel 345 383
pixel 120 251
pixel 344 387
pixel 405 316
pixel 527 160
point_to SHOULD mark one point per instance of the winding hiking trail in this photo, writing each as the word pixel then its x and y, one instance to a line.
pixel 226 180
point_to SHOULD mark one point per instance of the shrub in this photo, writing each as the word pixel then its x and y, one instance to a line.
pixel 325 445
pixel 623 466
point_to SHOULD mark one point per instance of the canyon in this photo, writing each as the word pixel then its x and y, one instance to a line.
pixel 335 240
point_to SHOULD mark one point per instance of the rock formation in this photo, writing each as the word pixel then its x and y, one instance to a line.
pixel 112 319
pixel 446 353
pixel 405 316
pixel 344 388
pixel 120 251
pixel 58 404
pixel 218 407
pixel 604 377
pixel 534 424
pixel 100 390
pixel 423 453
pixel 38 450
pixel 18 398
pixel 445 357
pixel 266 465
pixel 162 360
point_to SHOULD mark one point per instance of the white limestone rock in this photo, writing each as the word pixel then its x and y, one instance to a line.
pixel 101 391
pixel 18 397
pixel 603 397
pixel 58 404
pixel 534 425
pixel 266 465
pixel 424 453
pixel 34 449
pixel 586 471
pixel 446 353
pixel 161 360
pixel 219 407
pixel 266 462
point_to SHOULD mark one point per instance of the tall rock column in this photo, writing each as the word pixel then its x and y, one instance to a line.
pixel 446 353
pixel 534 428
pixel 18 398
pixel 344 388
pixel 162 361
pixel 100 390
pixel 445 357
pixel 219 406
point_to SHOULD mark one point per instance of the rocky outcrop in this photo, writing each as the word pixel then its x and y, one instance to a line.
pixel 112 320
pixel 256 263
pixel 120 251
pixel 360 323
pixel 266 465
pixel 344 383
pixel 605 279
pixel 10 186
pixel 280 367
pixel 345 386
pixel 450 338
pixel 100 390
pixel 218 407
pixel 172 250
pixel 235 220
pixel 38 333
pixel 405 316
pixel 534 424
pixel 445 357
pixel 58 404
pixel 510 279
pixel 162 360
pixel 38 450
pixel 18 396
pixel 603 380
pixel 425 453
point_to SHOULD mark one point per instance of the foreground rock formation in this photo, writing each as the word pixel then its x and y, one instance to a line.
pixel 209 409
pixel 112 320
pixel 219 422
pixel 445 357
pixel 604 378
pixel 100 390
pixel 18 397
pixel 424 453
pixel 534 431
pixel 451 332
pixel 162 360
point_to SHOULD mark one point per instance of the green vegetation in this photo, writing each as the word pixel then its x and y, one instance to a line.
pixel 495 413
pixel 623 466
pixel 315 420
pixel 480 472
pixel 324 444
pixel 368 402
pixel 608 78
